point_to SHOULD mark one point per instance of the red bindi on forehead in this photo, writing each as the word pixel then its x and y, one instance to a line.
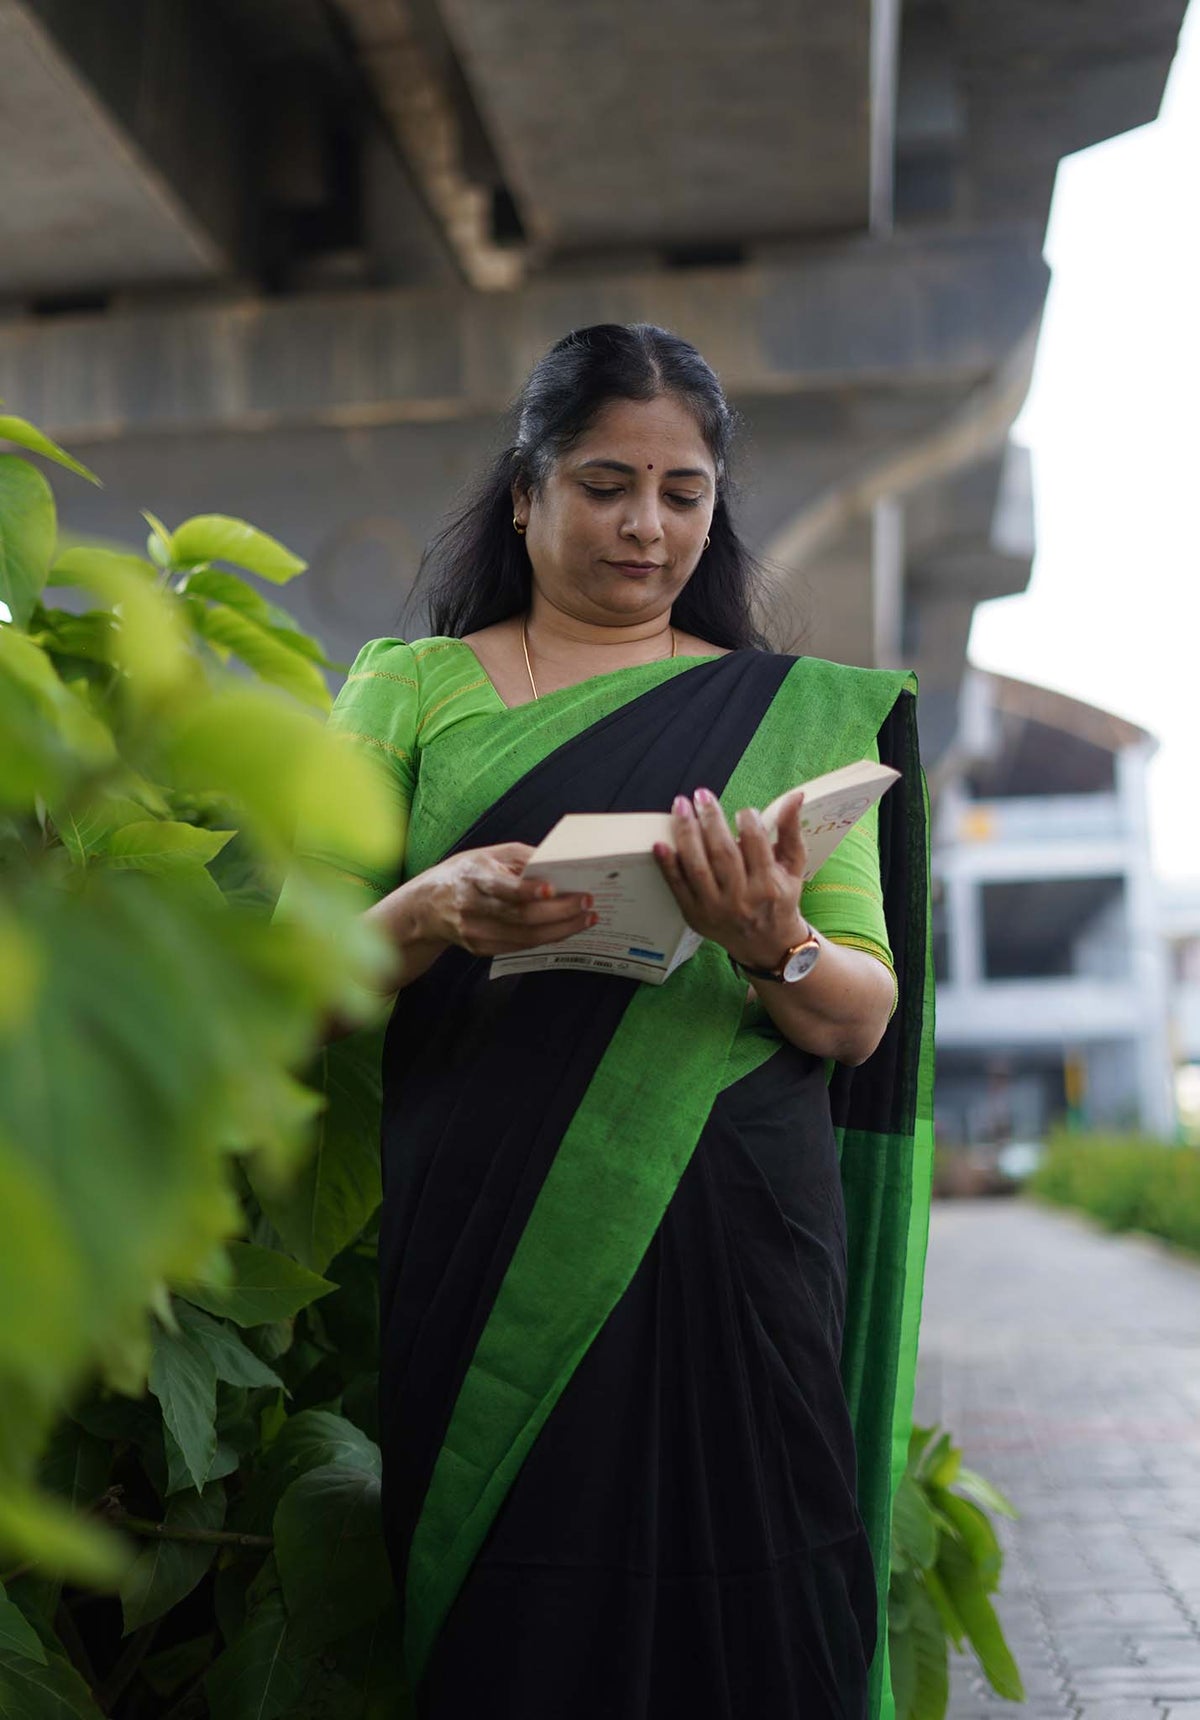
pixel 650 467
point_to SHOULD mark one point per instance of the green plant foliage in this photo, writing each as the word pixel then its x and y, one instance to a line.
pixel 28 526
pixel 156 1053
pixel 189 1473
pixel 946 1563
pixel 262 1285
pixel 216 537
pixel 1127 1182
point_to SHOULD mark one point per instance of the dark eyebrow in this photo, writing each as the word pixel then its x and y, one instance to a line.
pixel 630 471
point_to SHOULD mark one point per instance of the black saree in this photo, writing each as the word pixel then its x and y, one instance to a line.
pixel 619 1463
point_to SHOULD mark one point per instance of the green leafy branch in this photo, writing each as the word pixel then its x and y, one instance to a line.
pixel 946 1563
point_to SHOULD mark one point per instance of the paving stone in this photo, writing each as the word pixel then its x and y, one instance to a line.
pixel 1066 1364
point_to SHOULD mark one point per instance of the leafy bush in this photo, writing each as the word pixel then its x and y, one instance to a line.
pixel 1128 1182
pixel 946 1562
pixel 187 1313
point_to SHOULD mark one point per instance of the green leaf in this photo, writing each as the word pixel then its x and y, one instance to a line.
pixel 983 1493
pixel 942 1463
pixel 254 1679
pixel 17 1635
pixel 902 1658
pixel 90 636
pixel 225 1462
pixel 976 1534
pixel 330 1550
pixel 264 1286
pixel 931 1691
pixel 158 544
pixel 238 593
pixel 166 1570
pixel 263 651
pixel 86 831
pixel 51 1692
pixel 217 537
pixel 26 435
pixel 319 1439
pixel 21 965
pixel 967 1596
pixel 371 1661
pixel 37 1527
pixel 150 644
pixel 337 1189
pixel 184 1380
pixel 28 534
pixel 50 735
pixel 913 1525
pixel 951 1623
pixel 284 769
pixel 75 1465
pixel 163 845
pixel 39 1274
pixel 230 1358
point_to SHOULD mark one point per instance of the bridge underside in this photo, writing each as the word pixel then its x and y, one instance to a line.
pixel 292 259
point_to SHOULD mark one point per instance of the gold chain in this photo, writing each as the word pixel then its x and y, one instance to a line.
pixel 529 670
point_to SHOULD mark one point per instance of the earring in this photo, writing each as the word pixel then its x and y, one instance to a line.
pixel 518 527
pixel 707 541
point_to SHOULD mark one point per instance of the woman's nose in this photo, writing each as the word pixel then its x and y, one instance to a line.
pixel 643 523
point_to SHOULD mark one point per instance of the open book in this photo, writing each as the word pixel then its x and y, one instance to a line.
pixel 641 933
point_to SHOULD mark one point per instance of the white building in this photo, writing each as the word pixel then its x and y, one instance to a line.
pixel 1055 989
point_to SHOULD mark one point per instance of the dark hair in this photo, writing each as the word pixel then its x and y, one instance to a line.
pixel 476 571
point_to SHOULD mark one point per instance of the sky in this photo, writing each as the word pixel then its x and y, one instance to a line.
pixel 1112 614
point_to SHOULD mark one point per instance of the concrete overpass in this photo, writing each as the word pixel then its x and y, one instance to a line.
pixel 290 258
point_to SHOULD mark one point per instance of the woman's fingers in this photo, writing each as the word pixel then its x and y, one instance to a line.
pixel 758 855
pixel 724 859
pixel 790 851
pixel 485 935
pixel 503 886
pixel 708 855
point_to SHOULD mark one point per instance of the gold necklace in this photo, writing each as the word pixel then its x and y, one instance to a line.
pixel 529 670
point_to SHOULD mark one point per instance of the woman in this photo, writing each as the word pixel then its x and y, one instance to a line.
pixel 635 1313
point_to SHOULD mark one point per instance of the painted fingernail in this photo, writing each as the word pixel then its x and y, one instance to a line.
pixel 705 797
pixel 593 919
pixel 681 806
pixel 589 901
pixel 661 850
pixel 546 891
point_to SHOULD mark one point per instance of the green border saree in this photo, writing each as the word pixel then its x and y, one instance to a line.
pixel 515 1237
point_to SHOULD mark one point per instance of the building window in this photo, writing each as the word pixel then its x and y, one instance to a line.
pixel 1055 928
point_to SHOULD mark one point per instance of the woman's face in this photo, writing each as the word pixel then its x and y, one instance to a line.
pixel 618 525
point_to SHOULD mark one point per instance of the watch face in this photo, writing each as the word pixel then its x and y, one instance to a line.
pixel 800 962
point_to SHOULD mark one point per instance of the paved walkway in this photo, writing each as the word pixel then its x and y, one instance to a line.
pixel 1067 1364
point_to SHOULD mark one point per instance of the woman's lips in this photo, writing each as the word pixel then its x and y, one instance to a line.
pixel 636 568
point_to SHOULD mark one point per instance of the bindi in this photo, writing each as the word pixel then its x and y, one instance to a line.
pixel 650 467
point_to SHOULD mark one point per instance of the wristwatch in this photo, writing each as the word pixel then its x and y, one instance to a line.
pixel 795 963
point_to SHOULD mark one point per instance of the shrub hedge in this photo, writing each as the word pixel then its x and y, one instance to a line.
pixel 1128 1182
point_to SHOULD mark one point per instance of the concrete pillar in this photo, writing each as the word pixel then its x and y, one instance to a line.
pixel 1148 949
pixel 964 927
pixel 887 580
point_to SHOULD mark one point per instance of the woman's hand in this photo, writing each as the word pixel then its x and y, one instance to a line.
pixel 479 901
pixel 743 893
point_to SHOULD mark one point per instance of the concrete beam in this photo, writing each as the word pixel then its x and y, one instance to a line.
pixel 974 430
pixel 673 124
pixel 122 148
pixel 937 313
